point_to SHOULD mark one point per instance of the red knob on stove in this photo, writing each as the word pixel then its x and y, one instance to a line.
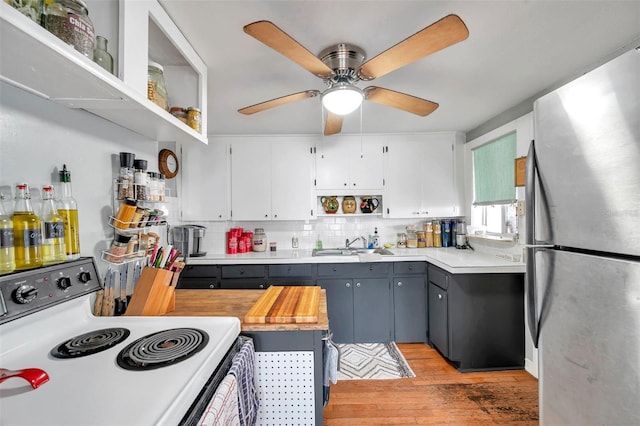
pixel 64 283
pixel 84 277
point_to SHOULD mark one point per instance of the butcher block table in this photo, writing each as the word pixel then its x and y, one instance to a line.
pixel 237 303
pixel 269 337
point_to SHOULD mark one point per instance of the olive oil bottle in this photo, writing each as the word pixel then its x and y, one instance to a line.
pixel 68 209
pixel 27 231
pixel 7 251
pixel 53 244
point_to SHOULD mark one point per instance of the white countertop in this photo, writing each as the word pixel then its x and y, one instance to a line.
pixel 450 259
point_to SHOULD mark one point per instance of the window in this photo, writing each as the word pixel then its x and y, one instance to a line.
pixel 494 197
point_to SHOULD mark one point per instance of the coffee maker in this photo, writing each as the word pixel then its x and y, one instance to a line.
pixel 188 239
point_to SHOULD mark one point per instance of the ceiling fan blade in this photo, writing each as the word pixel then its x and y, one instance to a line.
pixel 443 33
pixel 333 124
pixel 278 101
pixel 268 33
pixel 408 103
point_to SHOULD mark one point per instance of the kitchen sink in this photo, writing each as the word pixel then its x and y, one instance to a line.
pixel 344 251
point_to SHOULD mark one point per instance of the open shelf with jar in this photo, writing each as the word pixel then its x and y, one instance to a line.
pixel 37 61
pixel 349 205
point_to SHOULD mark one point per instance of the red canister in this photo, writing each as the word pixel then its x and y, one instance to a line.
pixel 232 244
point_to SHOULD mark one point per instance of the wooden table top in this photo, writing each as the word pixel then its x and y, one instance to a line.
pixel 236 303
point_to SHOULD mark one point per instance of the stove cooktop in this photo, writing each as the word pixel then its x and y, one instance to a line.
pixel 94 388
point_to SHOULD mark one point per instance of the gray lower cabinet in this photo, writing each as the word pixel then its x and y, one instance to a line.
pixel 410 301
pixel 477 320
pixel 199 277
pixel 358 301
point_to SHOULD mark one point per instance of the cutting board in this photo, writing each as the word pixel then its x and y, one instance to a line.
pixel 286 305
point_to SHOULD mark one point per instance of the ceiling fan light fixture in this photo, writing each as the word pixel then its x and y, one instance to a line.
pixel 342 99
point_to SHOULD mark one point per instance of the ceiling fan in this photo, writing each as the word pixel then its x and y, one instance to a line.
pixel 341 66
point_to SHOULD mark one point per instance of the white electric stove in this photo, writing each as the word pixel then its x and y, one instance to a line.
pixel 102 370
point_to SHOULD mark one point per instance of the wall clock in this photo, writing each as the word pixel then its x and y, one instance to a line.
pixel 168 163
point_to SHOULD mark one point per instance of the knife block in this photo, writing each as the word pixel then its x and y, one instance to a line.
pixel 154 293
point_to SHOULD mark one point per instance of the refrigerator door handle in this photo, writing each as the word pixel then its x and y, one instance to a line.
pixel 531 248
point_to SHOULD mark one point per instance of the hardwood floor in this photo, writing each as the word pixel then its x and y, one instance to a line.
pixel 439 394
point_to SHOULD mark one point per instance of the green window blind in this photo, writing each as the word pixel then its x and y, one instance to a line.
pixel 493 171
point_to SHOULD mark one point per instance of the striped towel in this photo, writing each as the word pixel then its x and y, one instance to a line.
pixel 223 408
pixel 243 368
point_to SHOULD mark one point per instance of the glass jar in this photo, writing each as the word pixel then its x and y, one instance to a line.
pixel 412 237
pixel 101 56
pixel 162 187
pixel 179 113
pixel 69 21
pixel 140 180
pixel 156 88
pixel 259 240
pixel 194 119
pixel 428 230
pixel 125 179
pixel 118 249
pixel 29 8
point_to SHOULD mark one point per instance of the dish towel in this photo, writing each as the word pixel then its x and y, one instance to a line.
pixel 223 408
pixel 243 368
pixel 331 360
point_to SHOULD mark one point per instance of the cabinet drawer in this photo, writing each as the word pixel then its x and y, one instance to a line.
pixel 243 271
pixel 249 284
pixel 197 283
pixel 366 270
pixel 209 271
pixel 439 277
pixel 403 268
pixel 290 270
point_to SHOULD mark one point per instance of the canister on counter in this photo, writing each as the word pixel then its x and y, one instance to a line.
pixel 412 237
pixel 422 241
pixel 428 231
pixel 454 227
pixel 437 233
pixel 446 233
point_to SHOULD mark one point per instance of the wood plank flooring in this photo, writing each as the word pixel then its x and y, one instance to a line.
pixel 439 394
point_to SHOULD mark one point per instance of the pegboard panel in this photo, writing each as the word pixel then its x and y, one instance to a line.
pixel 285 388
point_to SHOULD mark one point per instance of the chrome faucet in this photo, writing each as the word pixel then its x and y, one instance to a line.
pixel 349 243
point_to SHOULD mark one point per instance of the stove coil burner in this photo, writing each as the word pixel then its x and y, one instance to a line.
pixel 163 348
pixel 90 343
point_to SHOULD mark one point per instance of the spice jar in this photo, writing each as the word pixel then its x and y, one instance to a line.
pixel 140 180
pixel 125 214
pixel 69 21
pixel 179 113
pixel 259 240
pixel 162 186
pixel 118 249
pixel 194 119
pixel 125 179
pixel 156 88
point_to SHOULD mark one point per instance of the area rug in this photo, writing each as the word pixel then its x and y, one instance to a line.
pixel 372 361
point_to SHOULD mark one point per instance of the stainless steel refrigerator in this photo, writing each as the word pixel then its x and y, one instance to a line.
pixel 583 239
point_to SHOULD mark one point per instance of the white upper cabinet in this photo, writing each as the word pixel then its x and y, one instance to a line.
pixel 349 163
pixel 37 61
pixel 271 178
pixel 421 175
pixel 205 182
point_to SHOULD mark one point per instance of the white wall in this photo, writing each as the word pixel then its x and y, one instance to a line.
pixel 523 127
pixel 38 136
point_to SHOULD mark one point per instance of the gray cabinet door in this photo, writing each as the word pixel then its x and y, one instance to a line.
pixel 410 309
pixel 372 310
pixel 339 308
pixel 439 318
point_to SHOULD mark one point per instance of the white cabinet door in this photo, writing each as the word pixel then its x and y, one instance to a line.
pixel 404 176
pixel 291 178
pixel 349 162
pixel 205 182
pixel 421 176
pixel 251 179
pixel 439 196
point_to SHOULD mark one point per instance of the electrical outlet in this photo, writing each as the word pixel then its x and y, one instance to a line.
pixel 520 208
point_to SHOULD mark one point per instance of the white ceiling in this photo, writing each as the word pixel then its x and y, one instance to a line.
pixel 515 50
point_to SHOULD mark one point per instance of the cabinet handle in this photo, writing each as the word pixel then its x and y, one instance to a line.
pixel 266 215
pixel 261 286
pixel 354 184
pixel 358 285
pixel 345 184
pixel 275 215
pixel 348 285
pixel 399 283
pixel 439 296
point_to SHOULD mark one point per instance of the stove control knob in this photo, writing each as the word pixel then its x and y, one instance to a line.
pixel 25 294
pixel 84 277
pixel 64 283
